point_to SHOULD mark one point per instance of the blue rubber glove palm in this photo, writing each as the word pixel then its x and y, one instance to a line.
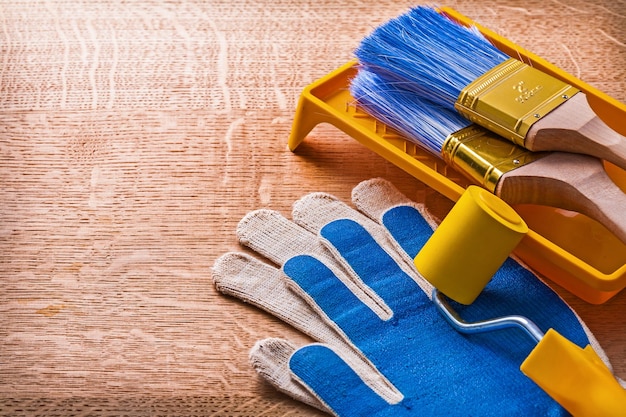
pixel 436 370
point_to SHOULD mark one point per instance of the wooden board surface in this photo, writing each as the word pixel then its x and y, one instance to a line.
pixel 135 135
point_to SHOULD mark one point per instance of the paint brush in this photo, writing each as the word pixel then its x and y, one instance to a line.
pixel 457 67
pixel 569 181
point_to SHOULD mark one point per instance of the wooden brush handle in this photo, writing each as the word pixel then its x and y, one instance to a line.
pixel 574 127
pixel 568 181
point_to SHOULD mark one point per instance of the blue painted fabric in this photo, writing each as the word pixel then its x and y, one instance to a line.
pixel 438 371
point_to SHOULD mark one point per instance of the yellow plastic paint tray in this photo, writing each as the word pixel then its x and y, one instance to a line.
pixel 569 248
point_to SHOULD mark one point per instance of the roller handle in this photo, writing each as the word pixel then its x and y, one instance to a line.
pixel 575 377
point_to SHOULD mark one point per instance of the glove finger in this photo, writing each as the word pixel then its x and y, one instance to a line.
pixel 323 372
pixel 409 224
pixel 375 196
pixel 244 277
pixel 270 234
pixel 316 210
pixel 270 359
pixel 265 287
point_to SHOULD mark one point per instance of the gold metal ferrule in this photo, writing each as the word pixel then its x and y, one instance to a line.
pixel 512 96
pixel 483 156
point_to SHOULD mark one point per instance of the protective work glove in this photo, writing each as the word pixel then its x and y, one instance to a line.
pixel 346 278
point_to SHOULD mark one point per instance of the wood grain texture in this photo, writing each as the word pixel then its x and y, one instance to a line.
pixel 135 135
pixel 574 127
pixel 569 181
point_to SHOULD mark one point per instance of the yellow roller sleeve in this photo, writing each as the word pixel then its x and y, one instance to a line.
pixel 470 245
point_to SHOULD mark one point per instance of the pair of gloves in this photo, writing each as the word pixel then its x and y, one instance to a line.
pixel 345 277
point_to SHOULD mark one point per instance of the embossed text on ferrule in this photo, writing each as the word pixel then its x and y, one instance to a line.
pixel 526 93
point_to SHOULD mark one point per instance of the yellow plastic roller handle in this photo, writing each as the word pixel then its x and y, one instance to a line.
pixel 574 377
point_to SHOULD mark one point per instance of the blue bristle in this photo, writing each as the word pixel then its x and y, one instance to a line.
pixel 421 121
pixel 431 54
